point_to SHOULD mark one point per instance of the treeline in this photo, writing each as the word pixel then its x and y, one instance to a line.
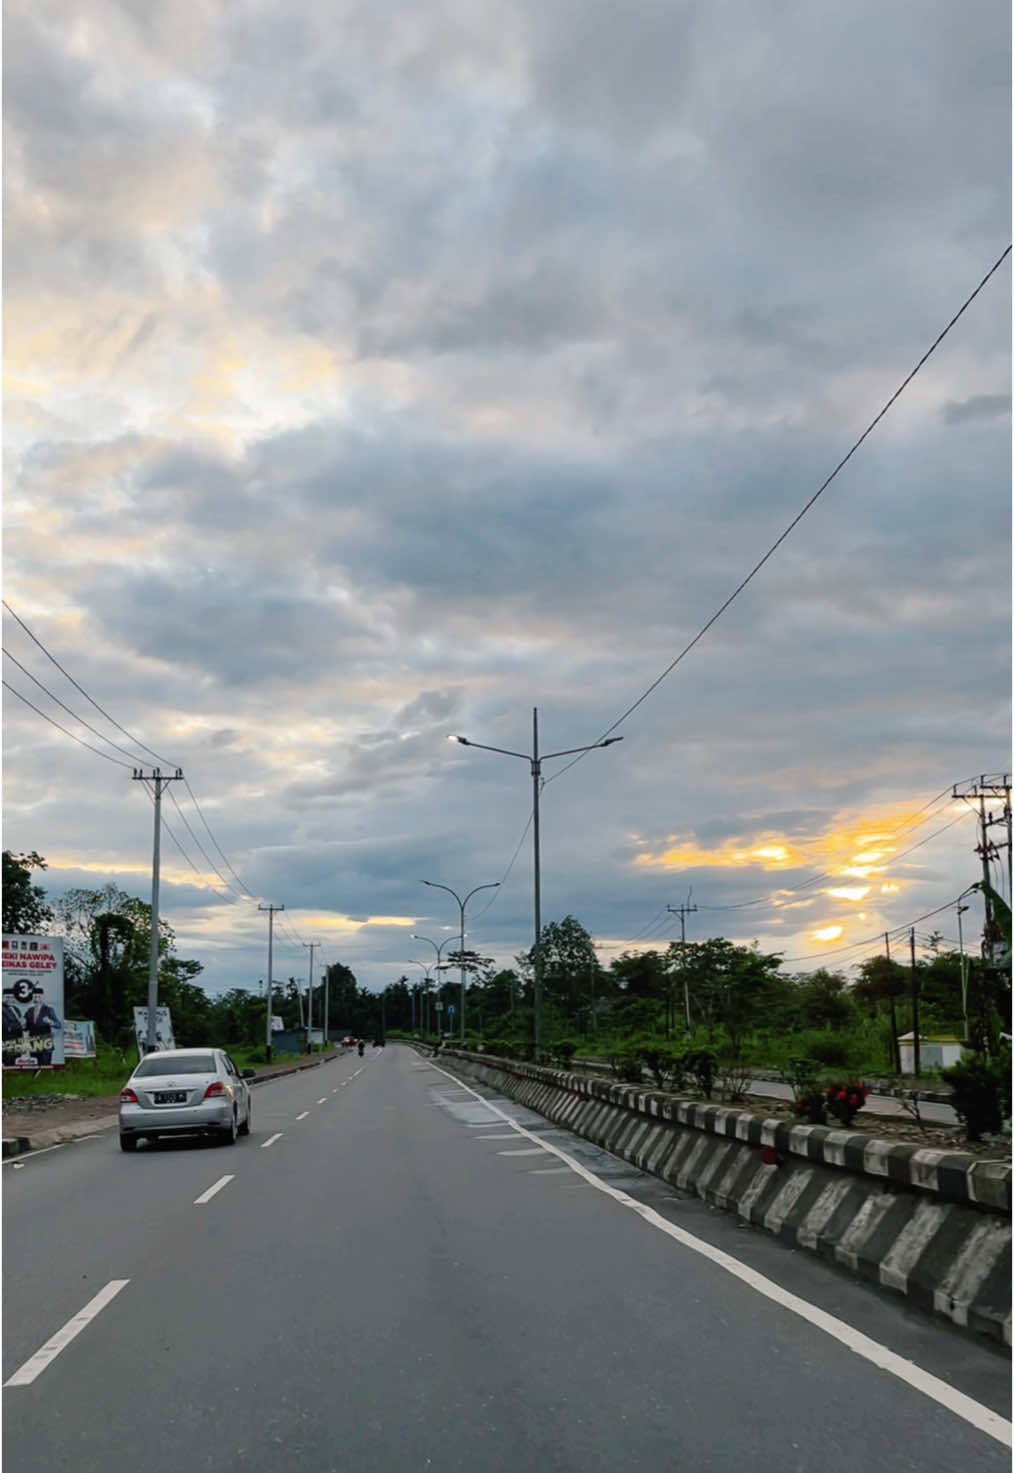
pixel 107 949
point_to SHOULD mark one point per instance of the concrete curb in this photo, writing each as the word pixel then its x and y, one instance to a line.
pixel 931 1225
pixel 21 1145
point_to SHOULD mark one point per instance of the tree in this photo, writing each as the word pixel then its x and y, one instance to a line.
pixel 735 987
pixel 25 912
pixel 570 967
pixel 822 1000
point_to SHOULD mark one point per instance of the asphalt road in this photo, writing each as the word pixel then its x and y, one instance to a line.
pixel 402 1280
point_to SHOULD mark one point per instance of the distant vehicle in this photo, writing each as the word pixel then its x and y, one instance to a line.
pixel 185 1091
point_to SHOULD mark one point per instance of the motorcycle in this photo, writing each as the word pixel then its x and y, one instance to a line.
pixel 362 1048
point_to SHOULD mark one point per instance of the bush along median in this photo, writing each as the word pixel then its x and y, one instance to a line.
pixel 934 1226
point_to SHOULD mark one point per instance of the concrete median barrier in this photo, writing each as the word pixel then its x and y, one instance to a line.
pixel 934 1226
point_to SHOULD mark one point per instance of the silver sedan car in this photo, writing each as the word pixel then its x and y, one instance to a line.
pixel 185 1091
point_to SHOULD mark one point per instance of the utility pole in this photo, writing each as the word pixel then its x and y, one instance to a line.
pixel 895 1045
pixel 963 964
pixel 915 1004
pixel 156 777
pixel 309 997
pixel 997 785
pixel 682 911
pixel 271 937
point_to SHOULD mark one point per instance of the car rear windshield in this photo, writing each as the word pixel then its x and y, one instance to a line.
pixel 176 1064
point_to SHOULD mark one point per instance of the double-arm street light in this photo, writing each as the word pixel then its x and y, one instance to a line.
pixel 439 951
pixel 461 949
pixel 535 760
pixel 423 991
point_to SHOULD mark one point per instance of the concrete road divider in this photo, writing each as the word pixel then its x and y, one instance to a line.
pixel 932 1225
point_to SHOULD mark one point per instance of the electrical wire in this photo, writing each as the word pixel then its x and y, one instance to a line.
pixel 35 639
pixel 896 932
pixel 81 742
pixel 239 894
pixel 799 515
pixel 102 737
pixel 503 879
pixel 64 707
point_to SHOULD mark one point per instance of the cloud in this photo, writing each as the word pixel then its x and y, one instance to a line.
pixel 979 406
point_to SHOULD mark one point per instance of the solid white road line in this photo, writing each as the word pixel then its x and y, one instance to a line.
pixel 223 1181
pixel 271 1140
pixel 878 1355
pixel 525 1151
pixel 42 1358
pixel 511 1137
pixel 27 1155
pixel 303 1116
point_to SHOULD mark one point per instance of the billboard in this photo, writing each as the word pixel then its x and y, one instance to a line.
pixel 78 1040
pixel 32 1002
pixel 163 1029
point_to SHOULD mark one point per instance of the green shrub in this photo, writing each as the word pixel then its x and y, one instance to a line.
pixel 625 1067
pixel 981 1088
pixel 829 1049
pixel 700 1064
pixel 810 1104
pixel 661 1060
pixel 845 1098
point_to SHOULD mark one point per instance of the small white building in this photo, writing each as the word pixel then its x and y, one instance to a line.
pixel 936 1051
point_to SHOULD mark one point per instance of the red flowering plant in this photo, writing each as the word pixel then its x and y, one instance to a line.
pixel 844 1100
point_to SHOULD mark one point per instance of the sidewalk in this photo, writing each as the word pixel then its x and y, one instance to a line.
pixel 70 1120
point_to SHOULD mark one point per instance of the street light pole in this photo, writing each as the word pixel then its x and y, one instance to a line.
pixel 439 951
pixel 535 761
pixel 426 982
pixel 312 945
pixel 461 947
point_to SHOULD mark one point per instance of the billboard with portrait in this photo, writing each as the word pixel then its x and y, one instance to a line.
pixel 32 1002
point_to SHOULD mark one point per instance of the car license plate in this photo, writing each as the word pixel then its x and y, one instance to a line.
pixel 170 1097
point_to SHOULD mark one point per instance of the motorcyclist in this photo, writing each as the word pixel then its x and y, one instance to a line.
pixel 362 1048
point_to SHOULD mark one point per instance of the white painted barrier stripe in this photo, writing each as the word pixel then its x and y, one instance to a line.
pixel 37 1363
pixel 929 1385
pixel 223 1181
pixel 303 1116
pixel 271 1140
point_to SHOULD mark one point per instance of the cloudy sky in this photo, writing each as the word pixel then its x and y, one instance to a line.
pixel 379 371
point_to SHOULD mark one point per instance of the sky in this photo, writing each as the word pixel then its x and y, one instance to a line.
pixel 379 372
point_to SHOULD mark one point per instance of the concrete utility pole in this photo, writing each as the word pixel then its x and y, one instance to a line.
pixel 895 1045
pixel 271 936
pixel 997 785
pixel 915 1004
pixel 160 781
pixel 683 911
pixel 963 964
pixel 312 945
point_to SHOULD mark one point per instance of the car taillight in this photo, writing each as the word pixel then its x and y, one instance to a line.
pixel 128 1097
pixel 214 1089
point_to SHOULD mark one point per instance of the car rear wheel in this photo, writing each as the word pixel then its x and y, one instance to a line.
pixel 245 1127
pixel 128 1142
pixel 230 1132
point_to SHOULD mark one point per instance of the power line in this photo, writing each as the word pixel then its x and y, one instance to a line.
pixel 875 940
pixel 193 799
pixel 81 688
pixel 240 895
pixel 799 515
pixel 81 742
pixel 503 879
pixel 63 706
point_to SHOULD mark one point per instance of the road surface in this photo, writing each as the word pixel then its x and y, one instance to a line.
pixel 397 1272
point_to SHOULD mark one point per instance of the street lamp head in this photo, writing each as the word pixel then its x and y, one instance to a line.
pixel 463 740
pixel 609 741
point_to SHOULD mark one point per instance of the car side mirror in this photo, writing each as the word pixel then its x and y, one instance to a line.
pixel 249 1073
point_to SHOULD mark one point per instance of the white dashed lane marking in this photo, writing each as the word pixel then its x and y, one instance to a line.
pixel 303 1116
pixel 527 1151
pixel 42 1358
pixel 271 1140
pixel 223 1181
pixel 870 1350
pixel 323 1101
